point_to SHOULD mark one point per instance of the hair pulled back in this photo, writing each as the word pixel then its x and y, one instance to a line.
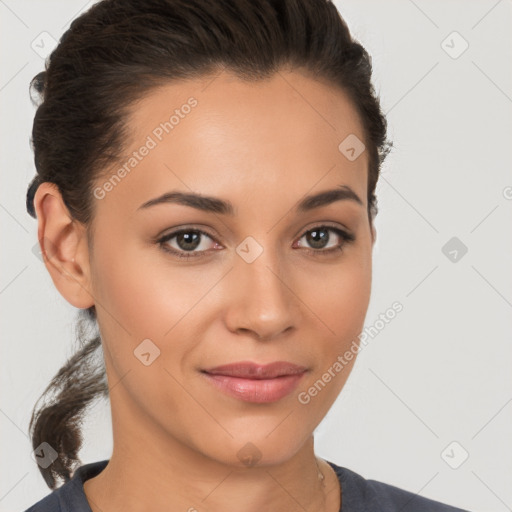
pixel 115 53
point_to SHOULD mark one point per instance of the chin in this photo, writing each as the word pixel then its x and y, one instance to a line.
pixel 258 448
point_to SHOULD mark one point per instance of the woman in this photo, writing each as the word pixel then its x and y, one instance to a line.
pixel 205 192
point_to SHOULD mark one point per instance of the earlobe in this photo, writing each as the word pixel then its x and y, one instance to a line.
pixel 63 245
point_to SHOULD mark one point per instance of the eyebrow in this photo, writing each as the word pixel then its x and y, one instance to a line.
pixel 216 205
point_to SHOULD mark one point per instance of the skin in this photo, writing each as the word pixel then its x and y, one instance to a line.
pixel 263 147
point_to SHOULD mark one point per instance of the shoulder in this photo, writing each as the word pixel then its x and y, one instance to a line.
pixel 359 495
pixel 70 497
pixel 49 503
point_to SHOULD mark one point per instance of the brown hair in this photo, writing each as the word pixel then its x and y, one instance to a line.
pixel 118 51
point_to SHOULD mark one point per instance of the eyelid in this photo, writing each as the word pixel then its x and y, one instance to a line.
pixel 345 234
pixel 161 240
pixel 325 224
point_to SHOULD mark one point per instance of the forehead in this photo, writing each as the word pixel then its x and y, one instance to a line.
pixel 219 135
pixel 225 101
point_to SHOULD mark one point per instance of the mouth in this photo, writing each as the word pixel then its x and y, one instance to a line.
pixel 256 383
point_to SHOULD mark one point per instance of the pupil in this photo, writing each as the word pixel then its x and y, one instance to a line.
pixel 187 238
pixel 322 238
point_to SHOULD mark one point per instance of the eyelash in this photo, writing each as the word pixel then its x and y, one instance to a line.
pixel 344 235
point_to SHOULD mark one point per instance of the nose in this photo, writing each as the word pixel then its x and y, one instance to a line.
pixel 261 299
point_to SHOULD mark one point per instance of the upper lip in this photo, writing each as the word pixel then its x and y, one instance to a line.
pixel 249 370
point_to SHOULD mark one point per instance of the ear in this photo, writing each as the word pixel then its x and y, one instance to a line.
pixel 63 244
pixel 374 234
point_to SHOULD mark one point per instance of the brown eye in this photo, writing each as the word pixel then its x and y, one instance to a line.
pixel 318 238
pixel 187 240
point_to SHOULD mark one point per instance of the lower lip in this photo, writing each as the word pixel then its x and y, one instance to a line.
pixel 256 390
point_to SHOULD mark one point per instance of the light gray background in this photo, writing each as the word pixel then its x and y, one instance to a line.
pixel 440 371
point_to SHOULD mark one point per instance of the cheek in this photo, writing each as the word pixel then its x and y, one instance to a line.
pixel 137 289
pixel 142 295
pixel 130 308
pixel 339 298
pixel 340 304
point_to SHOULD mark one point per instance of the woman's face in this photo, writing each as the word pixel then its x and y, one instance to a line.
pixel 266 281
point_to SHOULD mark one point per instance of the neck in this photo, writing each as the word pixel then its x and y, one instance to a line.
pixel 144 477
pixel 152 469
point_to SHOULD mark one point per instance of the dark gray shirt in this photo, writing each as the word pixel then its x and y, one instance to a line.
pixel 359 494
